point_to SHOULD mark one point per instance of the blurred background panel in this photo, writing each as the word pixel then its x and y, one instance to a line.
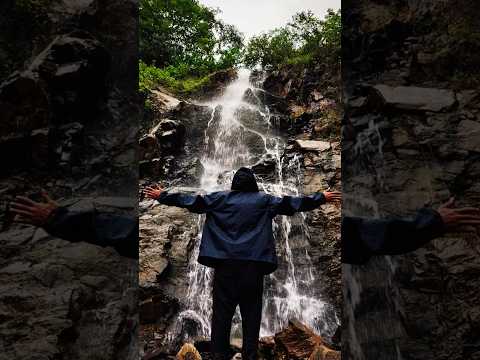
pixel 70 117
pixel 411 136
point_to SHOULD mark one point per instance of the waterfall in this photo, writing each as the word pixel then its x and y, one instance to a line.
pixel 241 134
pixel 369 333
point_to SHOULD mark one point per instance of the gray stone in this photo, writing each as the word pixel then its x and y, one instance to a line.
pixel 416 98
pixel 469 134
pixel 313 145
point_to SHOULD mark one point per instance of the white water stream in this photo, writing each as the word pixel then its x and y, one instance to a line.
pixel 239 134
pixel 369 332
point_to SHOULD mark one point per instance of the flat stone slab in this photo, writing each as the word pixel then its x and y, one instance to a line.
pixel 313 145
pixel 416 98
pixel 167 100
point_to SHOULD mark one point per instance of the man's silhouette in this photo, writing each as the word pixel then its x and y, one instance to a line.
pixel 238 242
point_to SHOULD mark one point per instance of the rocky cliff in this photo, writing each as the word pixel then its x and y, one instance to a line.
pixel 70 110
pixel 411 137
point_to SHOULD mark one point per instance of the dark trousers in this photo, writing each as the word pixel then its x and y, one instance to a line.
pixel 237 283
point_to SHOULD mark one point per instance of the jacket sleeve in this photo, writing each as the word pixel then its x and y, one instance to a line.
pixel 118 231
pixel 289 205
pixel 364 238
pixel 194 203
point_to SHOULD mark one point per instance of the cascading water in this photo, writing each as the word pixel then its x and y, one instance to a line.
pixel 368 333
pixel 241 134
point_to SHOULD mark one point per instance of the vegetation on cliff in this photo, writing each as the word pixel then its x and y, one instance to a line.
pixel 302 41
pixel 181 43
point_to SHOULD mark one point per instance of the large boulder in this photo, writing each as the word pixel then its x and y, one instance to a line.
pixel 170 135
pixel 148 147
pixel 44 106
pixel 72 71
pixel 157 308
pixel 415 98
pixel 298 341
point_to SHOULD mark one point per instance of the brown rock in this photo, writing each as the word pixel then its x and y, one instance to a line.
pixel 157 307
pixel 151 271
pixel 188 352
pixel 322 352
pixel 297 341
pixel 148 147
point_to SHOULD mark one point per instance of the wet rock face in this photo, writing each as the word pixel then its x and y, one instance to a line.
pixel 63 84
pixel 171 148
pixel 65 300
pixel 69 113
pixel 170 136
pixel 312 97
pixel 430 42
pixel 166 239
pixel 80 72
pixel 412 140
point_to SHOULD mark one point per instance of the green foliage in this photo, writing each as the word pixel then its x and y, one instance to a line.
pixel 269 49
pixel 181 43
pixel 301 41
pixel 184 33
pixel 151 77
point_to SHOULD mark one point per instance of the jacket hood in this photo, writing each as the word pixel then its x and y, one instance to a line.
pixel 244 180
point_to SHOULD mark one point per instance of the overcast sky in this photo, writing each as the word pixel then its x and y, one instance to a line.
pixel 254 16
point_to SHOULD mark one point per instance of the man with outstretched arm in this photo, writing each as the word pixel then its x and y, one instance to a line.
pixel 99 228
pixel 238 242
pixel 363 238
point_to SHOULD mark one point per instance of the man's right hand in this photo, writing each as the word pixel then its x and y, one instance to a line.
pixel 34 213
pixel 153 192
pixel 452 216
pixel 332 196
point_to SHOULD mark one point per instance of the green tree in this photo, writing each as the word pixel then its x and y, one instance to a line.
pixel 302 40
pixel 184 33
pixel 270 49
pixel 332 31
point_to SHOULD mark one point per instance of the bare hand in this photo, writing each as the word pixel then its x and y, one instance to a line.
pixel 452 216
pixel 32 212
pixel 332 196
pixel 153 192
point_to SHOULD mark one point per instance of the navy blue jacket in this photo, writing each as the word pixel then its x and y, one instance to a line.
pixel 103 229
pixel 363 238
pixel 238 224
